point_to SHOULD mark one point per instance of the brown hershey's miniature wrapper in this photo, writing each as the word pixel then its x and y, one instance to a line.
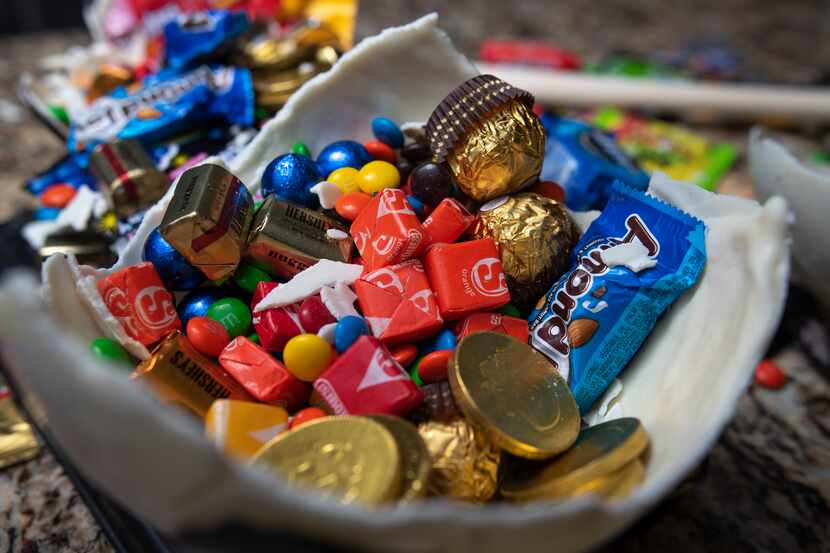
pixel 287 239
pixel 130 179
pixel 17 440
pixel 183 376
pixel 208 219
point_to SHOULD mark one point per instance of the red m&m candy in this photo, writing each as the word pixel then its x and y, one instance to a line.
pixel 769 375
pixel 381 151
pixel 350 205
pixel 433 366
pixel 207 336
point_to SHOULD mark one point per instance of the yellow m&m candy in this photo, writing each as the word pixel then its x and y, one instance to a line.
pixel 344 179
pixel 306 356
pixel 377 175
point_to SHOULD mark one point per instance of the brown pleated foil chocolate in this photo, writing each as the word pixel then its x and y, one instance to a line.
pixel 464 107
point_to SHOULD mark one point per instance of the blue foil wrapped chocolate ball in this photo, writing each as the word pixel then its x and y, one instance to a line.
pixel 175 271
pixel 197 303
pixel 289 177
pixel 343 153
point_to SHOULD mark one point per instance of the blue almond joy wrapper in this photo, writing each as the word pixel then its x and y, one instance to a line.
pixel 586 162
pixel 598 314
pixel 168 103
pixel 194 36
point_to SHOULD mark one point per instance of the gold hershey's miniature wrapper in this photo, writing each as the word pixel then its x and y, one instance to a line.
pixel 130 179
pixel 17 440
pixel 500 154
pixel 208 219
pixel 90 248
pixel 183 376
pixel 465 464
pixel 534 235
pixel 287 239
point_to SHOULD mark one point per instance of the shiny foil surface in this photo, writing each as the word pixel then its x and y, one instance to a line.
pixel 535 236
pixel 499 155
pixel 465 464
pixel 17 441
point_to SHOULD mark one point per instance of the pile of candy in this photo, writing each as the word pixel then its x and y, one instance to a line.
pixel 202 81
pixel 486 324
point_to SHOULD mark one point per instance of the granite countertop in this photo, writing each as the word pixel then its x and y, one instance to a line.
pixel 765 486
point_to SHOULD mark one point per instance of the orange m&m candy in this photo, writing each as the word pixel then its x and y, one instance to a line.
pixel 305 415
pixel 58 195
pixel 350 205
pixel 207 335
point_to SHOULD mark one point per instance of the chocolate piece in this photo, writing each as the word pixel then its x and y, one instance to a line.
pixel 183 376
pixel 287 239
pixel 130 179
pixel 208 219
pixel 535 236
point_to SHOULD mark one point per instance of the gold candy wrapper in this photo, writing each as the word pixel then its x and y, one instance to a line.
pixel 465 464
pixel 208 219
pixel 131 181
pixel 286 239
pixel 183 376
pixel 17 441
pixel 499 155
pixel 535 236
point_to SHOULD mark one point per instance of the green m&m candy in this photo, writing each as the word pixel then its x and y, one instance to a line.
pixel 233 314
pixel 247 277
pixel 300 148
pixel 110 350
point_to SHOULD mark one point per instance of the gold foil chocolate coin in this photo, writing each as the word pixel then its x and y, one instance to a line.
pixel 415 459
pixel 352 459
pixel 515 394
pixel 599 451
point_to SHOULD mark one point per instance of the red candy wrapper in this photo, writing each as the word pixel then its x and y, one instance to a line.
pixel 274 326
pixel 387 231
pixel 466 277
pixel 447 222
pixel 262 376
pixel 398 303
pixel 492 322
pixel 365 380
pixel 140 302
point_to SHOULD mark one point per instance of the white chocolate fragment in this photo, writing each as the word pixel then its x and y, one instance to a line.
pixel 309 282
pixel 336 234
pixel 326 332
pixel 36 232
pixel 327 192
pixel 339 300
pixel 77 212
pixel 633 255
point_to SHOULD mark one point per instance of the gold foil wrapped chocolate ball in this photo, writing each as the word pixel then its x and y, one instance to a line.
pixel 465 463
pixel 487 134
pixel 534 235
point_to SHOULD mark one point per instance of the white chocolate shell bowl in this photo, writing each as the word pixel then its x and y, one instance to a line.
pixel 683 384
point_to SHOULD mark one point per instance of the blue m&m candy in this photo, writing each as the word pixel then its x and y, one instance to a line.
pixel 444 340
pixel 387 132
pixel 347 331
pixel 343 153
pixel 175 271
pixel 46 213
pixel 290 176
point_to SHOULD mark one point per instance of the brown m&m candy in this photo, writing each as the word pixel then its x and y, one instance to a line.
pixel 487 134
